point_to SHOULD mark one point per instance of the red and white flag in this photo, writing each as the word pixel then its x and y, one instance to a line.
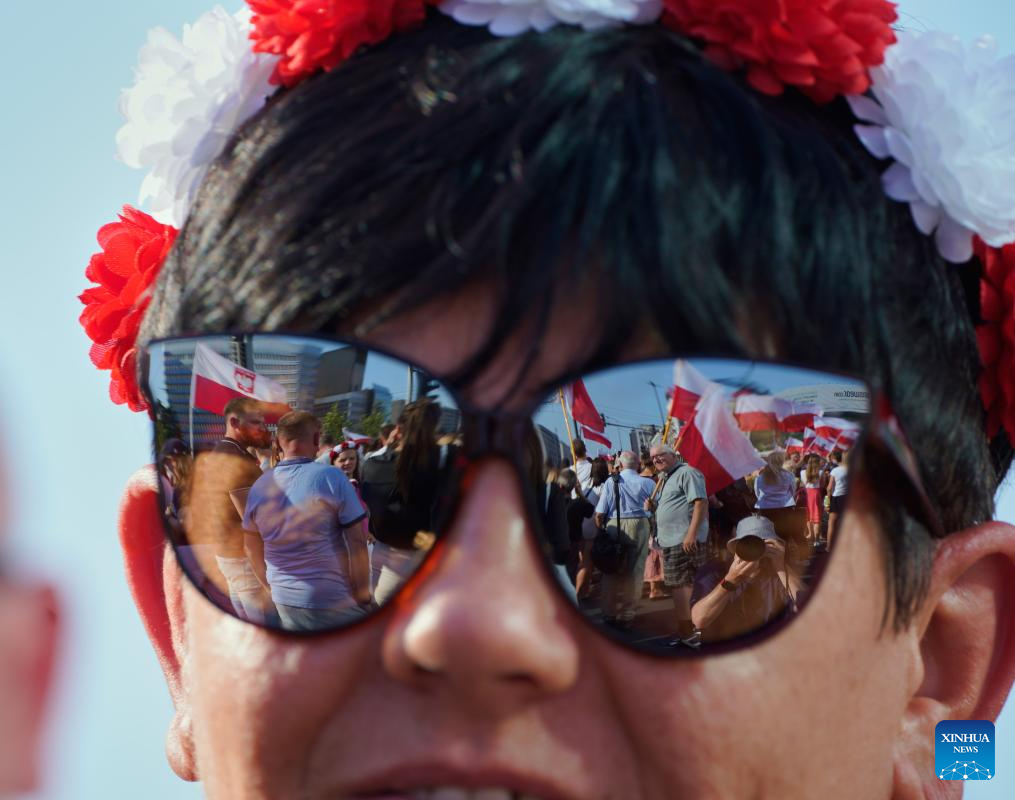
pixel 801 416
pixel 761 412
pixel 216 380
pixel 794 446
pixel 356 439
pixel 592 436
pixel 832 427
pixel 688 387
pixel 713 443
pixel 817 444
pixel 583 410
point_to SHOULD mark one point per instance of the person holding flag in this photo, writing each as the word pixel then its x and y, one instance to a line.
pixel 236 470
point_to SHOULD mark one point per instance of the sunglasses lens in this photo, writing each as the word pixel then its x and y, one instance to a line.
pixel 299 520
pixel 693 502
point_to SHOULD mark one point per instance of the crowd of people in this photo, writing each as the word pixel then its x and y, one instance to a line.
pixel 309 532
pixel 730 562
pixel 306 533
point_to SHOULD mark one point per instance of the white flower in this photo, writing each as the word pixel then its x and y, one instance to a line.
pixel 189 97
pixel 512 17
pixel 946 114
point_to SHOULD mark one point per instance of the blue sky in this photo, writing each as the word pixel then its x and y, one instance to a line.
pixel 69 448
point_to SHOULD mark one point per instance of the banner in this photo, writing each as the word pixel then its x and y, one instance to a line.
pixel 216 380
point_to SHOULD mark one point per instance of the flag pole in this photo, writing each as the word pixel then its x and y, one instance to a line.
pixel 567 424
pixel 666 428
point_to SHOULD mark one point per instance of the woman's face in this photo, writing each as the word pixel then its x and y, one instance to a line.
pixel 481 676
pixel 347 461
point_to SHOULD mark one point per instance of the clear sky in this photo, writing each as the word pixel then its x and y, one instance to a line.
pixel 69 448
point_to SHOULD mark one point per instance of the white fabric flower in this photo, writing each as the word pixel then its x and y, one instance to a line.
pixel 946 114
pixel 190 95
pixel 512 17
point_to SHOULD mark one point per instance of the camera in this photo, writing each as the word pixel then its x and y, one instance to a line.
pixel 749 548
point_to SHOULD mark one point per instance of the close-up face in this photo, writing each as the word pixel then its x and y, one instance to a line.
pixel 501 244
pixel 347 461
pixel 662 459
pixel 481 676
pixel 252 430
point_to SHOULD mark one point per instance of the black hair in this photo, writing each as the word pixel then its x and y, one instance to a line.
pixel 620 161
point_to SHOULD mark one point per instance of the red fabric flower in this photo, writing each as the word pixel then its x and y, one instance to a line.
pixel 822 47
pixel 310 35
pixel 133 250
pixel 996 336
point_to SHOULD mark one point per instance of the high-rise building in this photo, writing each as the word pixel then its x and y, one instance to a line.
pixel 556 451
pixel 641 438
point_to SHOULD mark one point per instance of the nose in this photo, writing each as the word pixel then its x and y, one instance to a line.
pixel 485 624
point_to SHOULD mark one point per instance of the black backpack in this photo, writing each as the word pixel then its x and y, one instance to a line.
pixel 610 554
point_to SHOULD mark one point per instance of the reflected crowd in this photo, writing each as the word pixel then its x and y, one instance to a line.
pixel 285 526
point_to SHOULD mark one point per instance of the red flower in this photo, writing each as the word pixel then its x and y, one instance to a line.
pixel 310 35
pixel 133 250
pixel 996 336
pixel 822 47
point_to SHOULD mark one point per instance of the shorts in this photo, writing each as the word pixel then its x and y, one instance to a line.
pixel 836 505
pixel 679 568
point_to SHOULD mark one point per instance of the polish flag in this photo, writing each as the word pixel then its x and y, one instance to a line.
pixel 801 416
pixel 818 444
pixel 688 387
pixel 761 412
pixel 794 446
pixel 714 444
pixel 596 437
pixel 356 439
pixel 583 410
pixel 832 427
pixel 845 440
pixel 216 380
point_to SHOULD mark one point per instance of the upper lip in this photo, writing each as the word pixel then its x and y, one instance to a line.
pixel 403 778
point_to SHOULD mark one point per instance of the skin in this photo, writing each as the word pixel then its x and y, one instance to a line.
pixel 347 461
pixel 29 630
pixel 248 429
pixel 452 686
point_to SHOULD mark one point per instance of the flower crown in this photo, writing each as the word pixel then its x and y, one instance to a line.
pixel 936 110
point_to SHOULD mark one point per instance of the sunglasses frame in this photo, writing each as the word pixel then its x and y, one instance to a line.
pixel 496 434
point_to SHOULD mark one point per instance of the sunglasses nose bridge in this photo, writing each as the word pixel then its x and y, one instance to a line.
pixel 484 617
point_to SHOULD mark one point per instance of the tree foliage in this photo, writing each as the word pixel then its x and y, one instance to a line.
pixel 335 422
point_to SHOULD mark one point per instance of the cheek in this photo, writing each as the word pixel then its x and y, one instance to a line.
pixel 260 701
pixel 749 724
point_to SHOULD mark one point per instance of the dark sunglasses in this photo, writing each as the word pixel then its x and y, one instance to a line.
pixel 270 532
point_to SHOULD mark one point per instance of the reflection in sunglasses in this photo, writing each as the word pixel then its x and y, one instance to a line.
pixel 709 525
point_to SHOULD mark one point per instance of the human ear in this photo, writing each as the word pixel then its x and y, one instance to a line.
pixel 155 584
pixel 963 650
pixel 29 626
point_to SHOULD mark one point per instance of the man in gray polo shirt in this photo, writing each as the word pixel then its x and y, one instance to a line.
pixel 622 589
pixel 681 509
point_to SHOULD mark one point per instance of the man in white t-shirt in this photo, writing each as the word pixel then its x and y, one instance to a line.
pixel 838 485
pixel 582 467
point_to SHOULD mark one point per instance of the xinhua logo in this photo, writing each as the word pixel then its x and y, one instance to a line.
pixel 964 750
